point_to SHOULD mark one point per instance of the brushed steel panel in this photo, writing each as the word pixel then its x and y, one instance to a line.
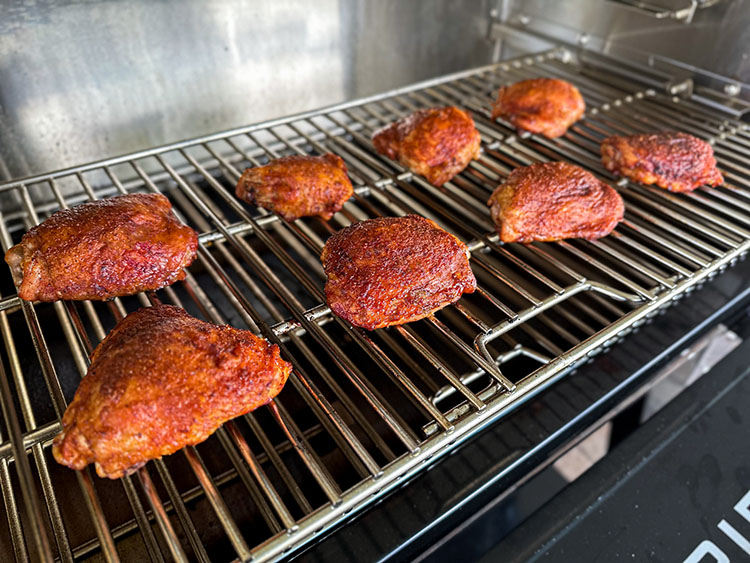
pixel 84 80
pixel 717 39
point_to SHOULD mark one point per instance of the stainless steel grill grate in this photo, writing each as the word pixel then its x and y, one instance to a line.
pixel 363 410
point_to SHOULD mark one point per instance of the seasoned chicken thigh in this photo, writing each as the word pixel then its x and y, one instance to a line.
pixel 552 201
pixel 541 105
pixel 102 249
pixel 162 380
pixel 298 186
pixel 436 143
pixel 394 270
pixel 675 161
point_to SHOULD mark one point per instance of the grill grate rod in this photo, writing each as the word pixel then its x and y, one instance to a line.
pixel 28 491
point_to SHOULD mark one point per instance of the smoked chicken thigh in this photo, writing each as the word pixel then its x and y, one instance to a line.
pixel 394 270
pixel 298 186
pixel 102 249
pixel 436 143
pixel 553 201
pixel 162 380
pixel 540 105
pixel 675 161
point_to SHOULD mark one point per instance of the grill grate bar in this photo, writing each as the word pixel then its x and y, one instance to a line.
pixel 735 147
pixel 433 359
pixel 674 247
pixel 702 212
pixel 270 451
pixel 310 459
pixel 640 115
pixel 163 521
pixel 637 194
pixel 608 248
pixel 261 477
pixel 182 514
pixel 143 524
pixel 12 514
pixel 702 198
pixel 28 491
pixel 261 500
pixel 643 249
pixel 214 497
pixel 580 253
pixel 668 228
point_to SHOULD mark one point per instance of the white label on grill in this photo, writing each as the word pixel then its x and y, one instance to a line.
pixel 709 548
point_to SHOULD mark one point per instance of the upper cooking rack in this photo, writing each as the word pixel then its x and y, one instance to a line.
pixel 362 410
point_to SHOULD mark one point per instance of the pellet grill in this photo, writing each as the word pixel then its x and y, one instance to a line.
pixel 402 443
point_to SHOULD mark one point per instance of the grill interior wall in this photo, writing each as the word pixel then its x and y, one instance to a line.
pixel 362 409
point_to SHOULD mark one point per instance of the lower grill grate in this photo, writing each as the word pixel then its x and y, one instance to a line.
pixel 362 410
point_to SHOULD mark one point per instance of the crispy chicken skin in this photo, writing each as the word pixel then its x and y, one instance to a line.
pixel 540 105
pixel 162 380
pixel 676 161
pixel 553 201
pixel 394 270
pixel 436 143
pixel 107 248
pixel 298 186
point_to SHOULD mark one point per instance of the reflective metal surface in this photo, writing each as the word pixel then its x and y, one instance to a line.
pixel 717 39
pixel 87 80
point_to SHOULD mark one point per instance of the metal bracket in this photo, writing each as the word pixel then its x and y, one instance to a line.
pixel 680 10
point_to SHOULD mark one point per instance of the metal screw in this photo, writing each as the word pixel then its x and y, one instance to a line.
pixel 680 87
pixel 732 89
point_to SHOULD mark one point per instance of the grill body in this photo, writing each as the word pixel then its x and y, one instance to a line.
pixel 364 412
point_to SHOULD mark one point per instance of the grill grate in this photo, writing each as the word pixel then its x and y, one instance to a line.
pixel 362 410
